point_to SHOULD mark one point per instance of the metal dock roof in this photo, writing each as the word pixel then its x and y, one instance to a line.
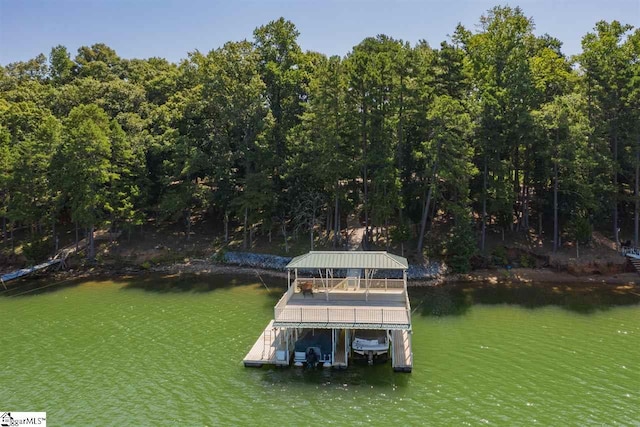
pixel 379 260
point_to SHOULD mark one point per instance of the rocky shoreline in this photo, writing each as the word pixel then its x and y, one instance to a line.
pixel 250 264
pixel 521 276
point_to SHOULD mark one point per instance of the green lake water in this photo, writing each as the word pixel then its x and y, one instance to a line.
pixel 154 351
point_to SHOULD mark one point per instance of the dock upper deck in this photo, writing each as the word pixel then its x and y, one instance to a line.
pixel 361 300
pixel 355 309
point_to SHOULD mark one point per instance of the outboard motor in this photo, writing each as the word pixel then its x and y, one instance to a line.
pixel 312 358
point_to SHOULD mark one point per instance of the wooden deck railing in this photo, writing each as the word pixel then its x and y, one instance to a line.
pixel 282 303
pixel 344 283
pixel 349 315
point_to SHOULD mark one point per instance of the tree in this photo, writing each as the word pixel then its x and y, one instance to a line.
pixel 322 151
pixel 60 64
pixel 283 70
pixel 98 61
pixel 607 70
pixel 6 166
pixel 633 106
pixel 83 167
pixel 32 196
pixel 124 189
pixel 565 131
pixel 235 103
pixel 450 156
pixel 373 88
pixel 499 59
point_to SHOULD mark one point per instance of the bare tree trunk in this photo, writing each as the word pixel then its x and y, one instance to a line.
pixel 540 224
pixel 399 149
pixel 484 205
pixel 226 226
pixel 386 232
pixel 637 201
pixel 284 234
pixel 77 240
pixel 336 220
pixel 313 221
pixel 54 237
pixel 616 228
pixel 92 248
pixel 244 230
pixel 187 214
pixel 555 197
pixel 423 220
pixel 517 188
pixel 366 184
pixel 526 205
pixel 425 212
pixel 329 223
pixel 4 231
pixel 13 248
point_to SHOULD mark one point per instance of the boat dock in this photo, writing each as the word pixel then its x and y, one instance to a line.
pixel 333 300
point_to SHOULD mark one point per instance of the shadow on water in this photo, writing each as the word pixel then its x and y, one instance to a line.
pixel 200 283
pixel 356 375
pixel 457 299
pixel 38 286
pixel 157 283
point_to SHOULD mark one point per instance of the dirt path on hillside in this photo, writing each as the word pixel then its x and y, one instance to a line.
pixel 355 233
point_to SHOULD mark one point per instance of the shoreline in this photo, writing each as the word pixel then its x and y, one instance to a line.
pixel 522 276
pixel 541 277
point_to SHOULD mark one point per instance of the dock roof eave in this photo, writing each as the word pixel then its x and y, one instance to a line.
pixel 342 325
pixel 379 260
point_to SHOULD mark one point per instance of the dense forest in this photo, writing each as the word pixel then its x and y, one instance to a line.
pixel 493 129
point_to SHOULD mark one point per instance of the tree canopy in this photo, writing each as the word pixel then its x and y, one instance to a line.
pixel 494 128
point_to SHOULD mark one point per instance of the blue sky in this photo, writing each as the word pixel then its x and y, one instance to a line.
pixel 172 28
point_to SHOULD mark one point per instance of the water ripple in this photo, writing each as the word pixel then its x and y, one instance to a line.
pixel 116 353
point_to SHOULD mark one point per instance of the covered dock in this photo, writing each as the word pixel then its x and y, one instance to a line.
pixel 343 292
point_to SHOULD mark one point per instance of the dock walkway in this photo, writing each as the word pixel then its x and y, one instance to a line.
pixel 340 360
pixel 265 351
pixel 402 358
pixel 59 258
pixel 24 271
